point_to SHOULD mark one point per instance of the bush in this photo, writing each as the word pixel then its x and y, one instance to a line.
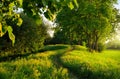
pixel 101 47
pixel 29 37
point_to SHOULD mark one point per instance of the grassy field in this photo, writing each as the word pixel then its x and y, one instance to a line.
pixel 63 62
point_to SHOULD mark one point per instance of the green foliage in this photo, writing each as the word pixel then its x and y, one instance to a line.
pixel 3 73
pixel 31 8
pixel 59 38
pixel 70 5
pixel 11 35
pixel 78 47
pixel 91 22
pixel 7 16
pixel 101 47
pixel 29 37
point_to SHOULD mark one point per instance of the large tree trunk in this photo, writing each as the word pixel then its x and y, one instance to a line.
pixel 96 44
pixel 90 43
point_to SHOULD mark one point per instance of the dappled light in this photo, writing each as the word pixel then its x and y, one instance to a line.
pixel 59 39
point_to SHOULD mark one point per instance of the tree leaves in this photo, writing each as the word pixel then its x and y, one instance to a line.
pixel 19 21
pixel 9 18
pixel 0 29
pixel 76 3
pixel 70 5
pixel 91 22
pixel 19 2
pixel 11 35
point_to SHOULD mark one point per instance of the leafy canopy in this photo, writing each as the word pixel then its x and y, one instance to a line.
pixel 92 22
pixel 8 16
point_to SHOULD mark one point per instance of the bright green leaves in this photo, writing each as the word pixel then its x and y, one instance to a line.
pixel 19 22
pixel 76 3
pixel 11 5
pixel 55 6
pixel 11 35
pixel 1 30
pixel 17 19
pixel 9 18
pixel 19 2
pixel 70 5
pixel 49 7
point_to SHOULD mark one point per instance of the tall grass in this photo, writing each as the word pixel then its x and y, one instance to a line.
pixel 63 62
pixel 114 54
pixel 34 66
pixel 32 69
pixel 93 65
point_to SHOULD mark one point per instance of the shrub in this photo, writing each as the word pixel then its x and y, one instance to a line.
pixel 29 37
pixel 101 47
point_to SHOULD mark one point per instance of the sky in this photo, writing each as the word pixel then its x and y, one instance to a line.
pixel 118 5
pixel 118 31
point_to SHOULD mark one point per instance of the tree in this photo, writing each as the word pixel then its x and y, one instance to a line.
pixel 31 8
pixel 90 23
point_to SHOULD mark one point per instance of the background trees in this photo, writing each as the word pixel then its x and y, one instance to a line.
pixel 91 23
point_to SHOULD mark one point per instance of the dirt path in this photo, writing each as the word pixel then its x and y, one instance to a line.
pixel 56 59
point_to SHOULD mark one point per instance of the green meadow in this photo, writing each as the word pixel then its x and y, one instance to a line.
pixel 59 39
pixel 63 62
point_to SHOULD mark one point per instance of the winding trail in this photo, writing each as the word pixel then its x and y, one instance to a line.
pixel 56 59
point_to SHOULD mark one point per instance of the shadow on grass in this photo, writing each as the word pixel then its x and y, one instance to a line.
pixel 15 56
pixel 46 48
pixel 56 59
pixel 54 47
